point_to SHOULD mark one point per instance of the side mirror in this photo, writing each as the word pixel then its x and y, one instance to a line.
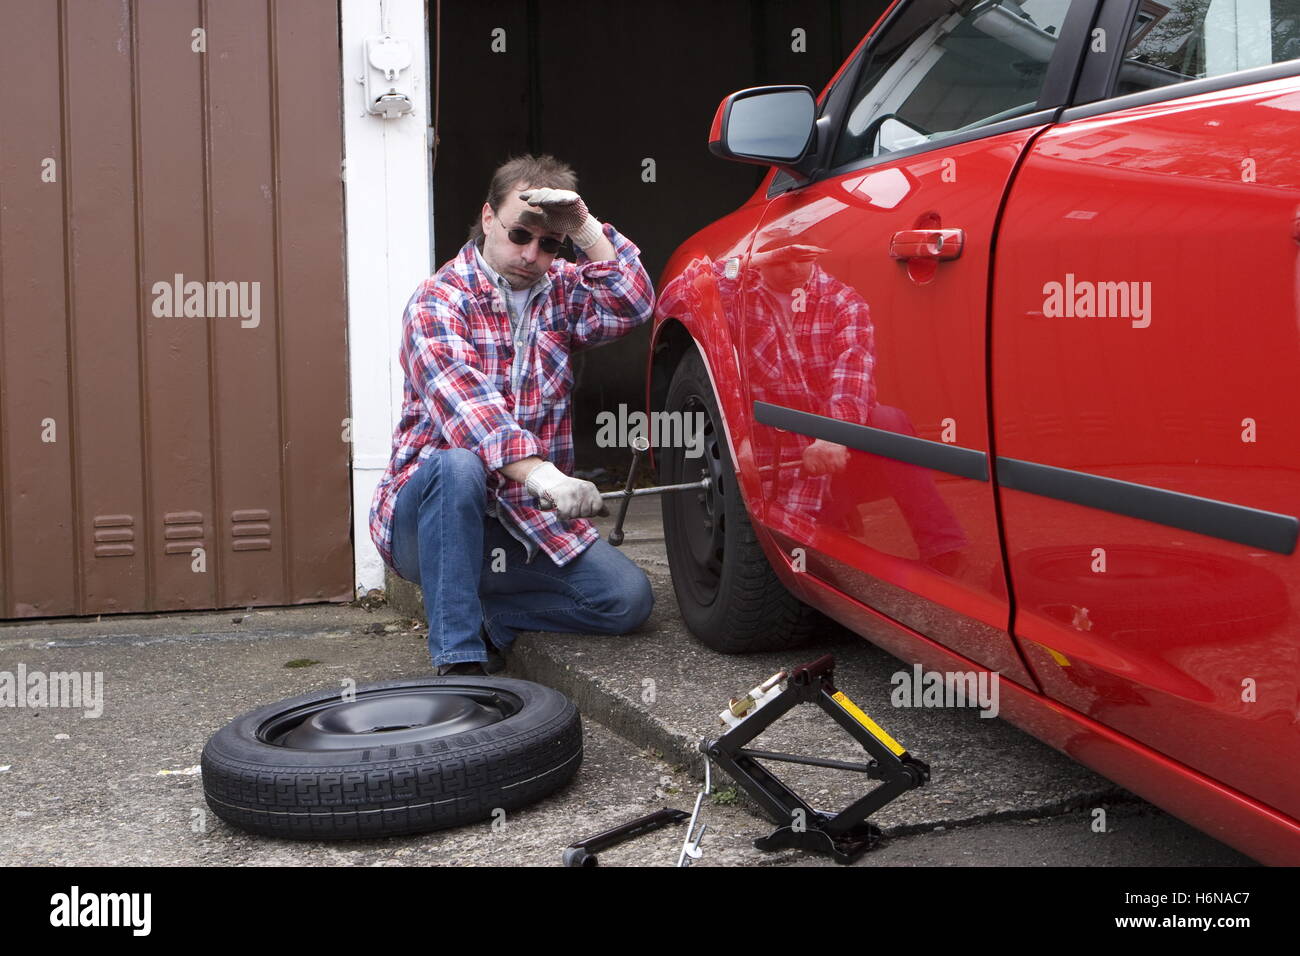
pixel 768 125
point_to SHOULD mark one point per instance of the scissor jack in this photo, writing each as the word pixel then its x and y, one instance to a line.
pixel 845 835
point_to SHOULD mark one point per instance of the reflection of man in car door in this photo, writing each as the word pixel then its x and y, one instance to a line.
pixel 815 350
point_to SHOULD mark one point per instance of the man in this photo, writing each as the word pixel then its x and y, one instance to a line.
pixel 485 436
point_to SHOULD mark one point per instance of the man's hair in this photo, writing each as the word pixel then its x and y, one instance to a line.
pixel 544 170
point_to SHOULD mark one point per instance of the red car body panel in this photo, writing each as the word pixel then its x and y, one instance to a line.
pixel 1162 652
pixel 919 546
pixel 1161 399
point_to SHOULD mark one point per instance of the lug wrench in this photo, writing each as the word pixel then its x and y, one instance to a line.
pixel 583 853
pixel 691 845
pixel 639 447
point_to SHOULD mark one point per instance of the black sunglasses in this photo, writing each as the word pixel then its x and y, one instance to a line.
pixel 522 237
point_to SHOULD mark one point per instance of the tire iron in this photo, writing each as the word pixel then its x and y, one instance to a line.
pixel 583 853
pixel 691 845
pixel 639 446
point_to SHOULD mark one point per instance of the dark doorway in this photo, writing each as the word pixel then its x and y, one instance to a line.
pixel 606 87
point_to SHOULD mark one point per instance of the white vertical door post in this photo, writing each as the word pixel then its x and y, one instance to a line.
pixel 388 205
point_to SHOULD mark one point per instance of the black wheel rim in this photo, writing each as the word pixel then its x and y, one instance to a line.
pixel 388 717
pixel 702 516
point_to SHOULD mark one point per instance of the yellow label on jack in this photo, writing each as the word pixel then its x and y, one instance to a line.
pixel 872 727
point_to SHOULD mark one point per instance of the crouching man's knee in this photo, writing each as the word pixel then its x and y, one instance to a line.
pixel 628 605
pixel 642 604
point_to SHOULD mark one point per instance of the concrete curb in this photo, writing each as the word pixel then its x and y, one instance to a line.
pixel 606 706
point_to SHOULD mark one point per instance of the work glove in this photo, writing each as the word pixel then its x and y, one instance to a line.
pixel 824 457
pixel 571 497
pixel 565 212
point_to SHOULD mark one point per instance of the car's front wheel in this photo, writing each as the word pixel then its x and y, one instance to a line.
pixel 729 596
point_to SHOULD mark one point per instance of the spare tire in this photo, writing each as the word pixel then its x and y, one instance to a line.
pixel 399 756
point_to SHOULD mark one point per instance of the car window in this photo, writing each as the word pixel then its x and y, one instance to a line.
pixel 943 67
pixel 1180 40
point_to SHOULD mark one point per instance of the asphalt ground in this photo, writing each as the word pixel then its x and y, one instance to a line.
pixel 123 788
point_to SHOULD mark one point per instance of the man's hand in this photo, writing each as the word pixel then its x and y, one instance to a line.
pixel 572 497
pixel 565 212
pixel 824 457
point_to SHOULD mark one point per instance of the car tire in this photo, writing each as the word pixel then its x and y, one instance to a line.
pixel 729 596
pixel 402 756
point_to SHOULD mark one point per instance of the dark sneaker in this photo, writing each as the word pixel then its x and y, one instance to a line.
pixel 462 669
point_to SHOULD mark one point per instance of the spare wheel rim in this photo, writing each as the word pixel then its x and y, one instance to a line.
pixel 389 717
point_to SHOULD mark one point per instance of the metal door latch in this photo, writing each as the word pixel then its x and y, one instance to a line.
pixel 387 93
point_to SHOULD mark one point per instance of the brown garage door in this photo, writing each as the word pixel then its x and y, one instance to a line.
pixel 172 324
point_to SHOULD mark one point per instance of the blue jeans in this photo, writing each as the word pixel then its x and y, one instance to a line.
pixel 444 540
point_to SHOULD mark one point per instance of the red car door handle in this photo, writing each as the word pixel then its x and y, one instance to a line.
pixel 927 243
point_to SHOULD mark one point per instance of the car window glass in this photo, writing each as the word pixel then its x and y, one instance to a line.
pixel 944 67
pixel 1175 41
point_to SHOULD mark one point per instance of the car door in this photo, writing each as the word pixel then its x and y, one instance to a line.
pixel 1146 311
pixel 865 315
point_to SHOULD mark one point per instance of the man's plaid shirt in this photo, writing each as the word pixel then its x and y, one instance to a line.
pixel 457 352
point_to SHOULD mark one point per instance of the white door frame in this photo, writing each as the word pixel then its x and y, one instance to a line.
pixel 388 202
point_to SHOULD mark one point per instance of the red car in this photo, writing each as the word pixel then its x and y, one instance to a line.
pixel 1000 368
